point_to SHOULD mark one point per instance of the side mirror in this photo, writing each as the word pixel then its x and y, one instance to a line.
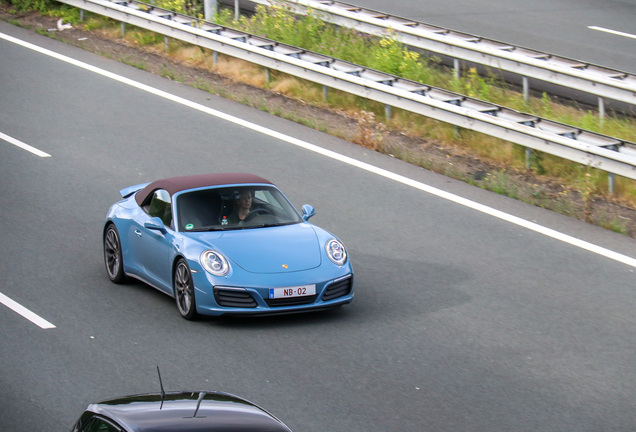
pixel 155 223
pixel 308 211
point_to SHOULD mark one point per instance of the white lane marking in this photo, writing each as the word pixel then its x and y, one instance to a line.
pixel 342 158
pixel 23 146
pixel 614 32
pixel 18 308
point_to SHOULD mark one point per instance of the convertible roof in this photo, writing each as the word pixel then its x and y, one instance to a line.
pixel 178 184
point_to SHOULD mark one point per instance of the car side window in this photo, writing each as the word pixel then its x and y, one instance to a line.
pixel 160 206
pixel 98 424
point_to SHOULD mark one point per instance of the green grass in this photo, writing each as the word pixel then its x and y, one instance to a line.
pixel 203 85
pixel 169 73
pixel 615 225
pixel 500 182
pixel 134 62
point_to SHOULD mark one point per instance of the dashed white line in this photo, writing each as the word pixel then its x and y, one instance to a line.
pixel 23 146
pixel 26 313
pixel 342 158
pixel 614 32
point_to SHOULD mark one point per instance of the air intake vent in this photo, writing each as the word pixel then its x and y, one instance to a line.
pixel 233 298
pixel 337 289
pixel 292 301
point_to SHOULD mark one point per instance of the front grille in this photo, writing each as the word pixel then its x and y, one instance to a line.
pixel 337 289
pixel 292 301
pixel 234 298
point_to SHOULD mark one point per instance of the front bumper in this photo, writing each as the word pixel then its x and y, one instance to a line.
pixel 214 297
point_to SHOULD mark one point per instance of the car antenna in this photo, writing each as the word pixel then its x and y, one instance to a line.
pixel 201 396
pixel 163 392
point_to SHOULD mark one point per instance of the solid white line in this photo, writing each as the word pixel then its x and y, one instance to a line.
pixel 18 308
pixel 614 32
pixel 345 159
pixel 23 146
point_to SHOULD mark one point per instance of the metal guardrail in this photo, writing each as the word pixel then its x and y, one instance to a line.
pixel 610 154
pixel 593 79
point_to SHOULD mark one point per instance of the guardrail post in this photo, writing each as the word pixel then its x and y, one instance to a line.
pixel 236 10
pixel 387 112
pixel 209 9
pixel 215 57
pixel 325 92
pixel 166 41
pixel 81 14
pixel 268 75
pixel 601 109
pixel 611 181
pixel 456 68
pixel 528 157
pixel 526 89
pixel 123 29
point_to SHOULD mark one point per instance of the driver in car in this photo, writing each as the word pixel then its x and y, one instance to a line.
pixel 242 207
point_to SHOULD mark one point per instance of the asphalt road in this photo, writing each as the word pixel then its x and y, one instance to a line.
pixel 462 321
pixel 559 27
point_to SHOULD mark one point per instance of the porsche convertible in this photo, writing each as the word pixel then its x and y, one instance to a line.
pixel 225 244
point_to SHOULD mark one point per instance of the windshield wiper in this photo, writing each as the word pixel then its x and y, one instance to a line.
pixel 251 226
pixel 285 223
pixel 211 228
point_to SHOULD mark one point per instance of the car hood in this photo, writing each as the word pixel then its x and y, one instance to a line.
pixel 283 249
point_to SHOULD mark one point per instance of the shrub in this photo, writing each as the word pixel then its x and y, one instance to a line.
pixel 41 6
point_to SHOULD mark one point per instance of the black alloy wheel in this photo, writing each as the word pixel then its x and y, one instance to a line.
pixel 184 291
pixel 112 255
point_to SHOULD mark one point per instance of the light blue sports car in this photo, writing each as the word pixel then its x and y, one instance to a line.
pixel 225 244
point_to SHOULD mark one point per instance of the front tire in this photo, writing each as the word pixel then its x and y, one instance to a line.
pixel 184 291
pixel 112 255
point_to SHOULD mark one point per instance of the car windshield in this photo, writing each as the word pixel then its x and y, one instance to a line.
pixel 230 208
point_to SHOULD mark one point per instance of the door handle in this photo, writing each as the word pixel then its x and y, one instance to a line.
pixel 138 233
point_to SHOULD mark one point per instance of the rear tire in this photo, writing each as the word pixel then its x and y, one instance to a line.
pixel 184 291
pixel 112 255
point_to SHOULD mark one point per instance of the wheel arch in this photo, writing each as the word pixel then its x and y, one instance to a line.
pixel 108 223
pixel 178 257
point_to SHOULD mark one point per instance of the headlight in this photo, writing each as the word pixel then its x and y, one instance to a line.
pixel 336 252
pixel 214 263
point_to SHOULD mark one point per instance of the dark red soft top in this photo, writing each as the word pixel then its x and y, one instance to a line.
pixel 178 184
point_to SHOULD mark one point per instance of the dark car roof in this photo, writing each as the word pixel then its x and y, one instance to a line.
pixel 216 412
pixel 178 184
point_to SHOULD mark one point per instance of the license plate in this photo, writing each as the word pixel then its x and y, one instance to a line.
pixel 293 291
